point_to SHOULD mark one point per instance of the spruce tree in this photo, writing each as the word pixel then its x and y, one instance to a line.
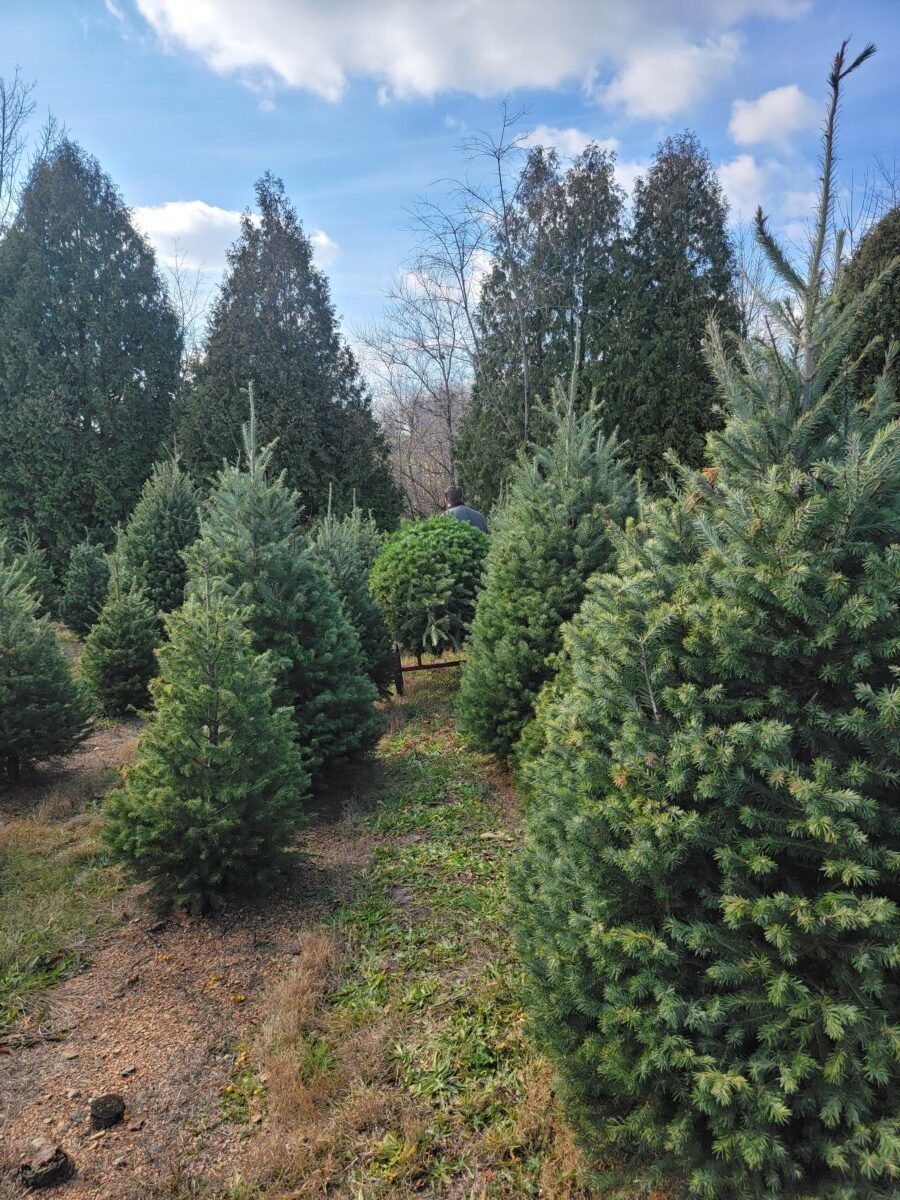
pixel 119 657
pixel 274 322
pixel 549 536
pixel 84 586
pixel 215 794
pixel 165 522
pixel 37 568
pixel 708 901
pixel 43 711
pixel 345 548
pixel 89 355
pixel 251 542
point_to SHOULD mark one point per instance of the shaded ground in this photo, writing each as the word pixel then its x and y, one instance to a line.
pixel 358 1035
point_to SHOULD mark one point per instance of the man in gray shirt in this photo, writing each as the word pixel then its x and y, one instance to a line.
pixel 455 506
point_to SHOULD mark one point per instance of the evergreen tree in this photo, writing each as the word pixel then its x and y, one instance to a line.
pixel 551 296
pixel 549 536
pixel 250 541
pixel 215 794
pixel 120 651
pixel 680 270
pixel 345 548
pixel 426 581
pixel 89 355
pixel 38 571
pixel 708 903
pixel 43 712
pixel 165 522
pixel 84 586
pixel 274 323
pixel 879 325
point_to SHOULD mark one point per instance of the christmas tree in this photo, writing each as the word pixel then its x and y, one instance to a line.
pixel 345 548
pixel 43 711
pixel 215 794
pixel 250 541
pixel 164 523
pixel 37 568
pixel 84 586
pixel 426 582
pixel 549 536
pixel 707 903
pixel 119 653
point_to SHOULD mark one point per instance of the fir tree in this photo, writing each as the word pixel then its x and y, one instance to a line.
pixel 274 323
pixel 708 903
pixel 38 571
pixel 426 582
pixel 548 538
pixel 43 711
pixel 346 547
pixel 215 794
pixel 84 586
pixel 120 651
pixel 89 355
pixel 251 542
pixel 165 522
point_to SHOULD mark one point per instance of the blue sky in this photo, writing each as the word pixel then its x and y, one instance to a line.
pixel 360 105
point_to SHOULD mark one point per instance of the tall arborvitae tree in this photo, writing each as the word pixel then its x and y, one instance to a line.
pixel 119 657
pixel 346 548
pixel 552 294
pixel 680 272
pixel 216 791
pixel 251 543
pixel 89 355
pixel 708 903
pixel 43 711
pixel 548 537
pixel 877 257
pixel 84 586
pixel 165 521
pixel 274 323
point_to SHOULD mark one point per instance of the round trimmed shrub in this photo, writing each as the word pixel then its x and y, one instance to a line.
pixel 426 582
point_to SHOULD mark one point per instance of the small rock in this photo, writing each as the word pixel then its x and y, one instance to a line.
pixel 70 1054
pixel 73 1093
pixel 127 1071
pixel 107 1111
pixel 49 1166
pixel 135 1125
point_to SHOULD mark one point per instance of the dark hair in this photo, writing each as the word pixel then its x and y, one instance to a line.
pixel 454 496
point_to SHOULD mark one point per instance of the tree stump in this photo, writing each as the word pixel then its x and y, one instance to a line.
pixel 107 1111
pixel 50 1166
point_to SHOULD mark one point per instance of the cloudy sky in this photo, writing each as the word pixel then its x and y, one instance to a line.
pixel 361 105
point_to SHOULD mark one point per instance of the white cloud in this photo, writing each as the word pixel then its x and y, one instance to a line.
pixel 659 81
pixel 746 183
pixel 774 117
pixel 200 231
pixel 799 204
pixel 325 249
pixel 484 47
pixel 113 9
pixel 569 142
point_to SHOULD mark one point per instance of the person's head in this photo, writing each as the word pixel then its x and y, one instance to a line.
pixel 453 497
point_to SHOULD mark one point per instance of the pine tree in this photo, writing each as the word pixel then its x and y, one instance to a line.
pixel 119 657
pixel 680 271
pixel 165 522
pixel 426 581
pixel 89 355
pixel 548 538
pixel 708 902
pixel 84 586
pixel 346 548
pixel 274 323
pixel 215 794
pixel 250 541
pixel 43 711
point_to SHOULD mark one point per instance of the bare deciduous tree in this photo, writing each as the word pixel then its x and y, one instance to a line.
pixel 16 107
